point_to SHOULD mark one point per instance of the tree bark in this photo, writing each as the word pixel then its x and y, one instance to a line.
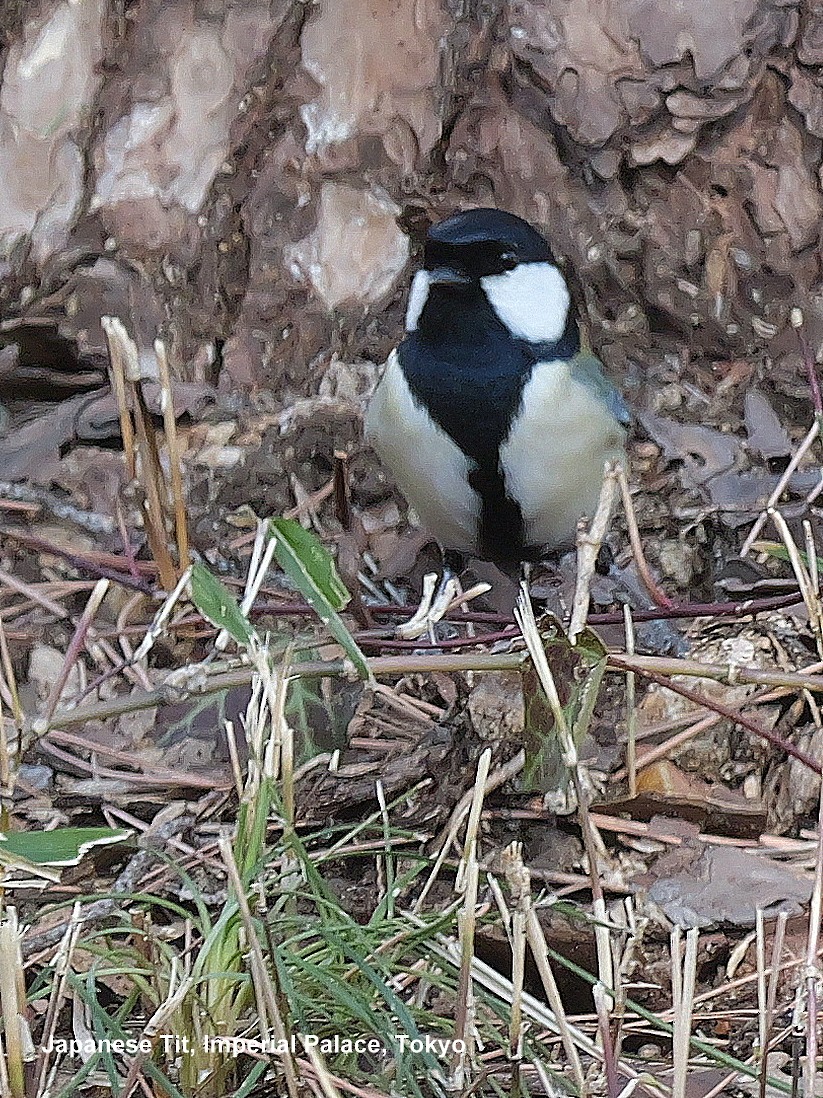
pixel 252 180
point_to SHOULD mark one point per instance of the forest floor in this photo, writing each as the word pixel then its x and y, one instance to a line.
pixel 715 826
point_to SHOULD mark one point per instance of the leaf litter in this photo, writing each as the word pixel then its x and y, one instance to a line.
pixel 417 734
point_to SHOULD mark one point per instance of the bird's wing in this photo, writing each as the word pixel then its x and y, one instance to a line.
pixel 589 370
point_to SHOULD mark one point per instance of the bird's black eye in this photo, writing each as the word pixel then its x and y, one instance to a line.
pixel 508 261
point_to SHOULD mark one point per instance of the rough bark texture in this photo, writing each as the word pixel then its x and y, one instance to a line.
pixel 235 175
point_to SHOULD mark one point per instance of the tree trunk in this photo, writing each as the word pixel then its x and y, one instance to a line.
pixel 252 179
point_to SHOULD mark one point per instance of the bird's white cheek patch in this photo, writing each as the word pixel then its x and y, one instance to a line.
pixel 532 301
pixel 418 296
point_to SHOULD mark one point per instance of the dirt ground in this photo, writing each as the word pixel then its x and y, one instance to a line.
pixel 709 445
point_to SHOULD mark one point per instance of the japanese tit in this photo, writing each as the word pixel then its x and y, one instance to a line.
pixel 490 419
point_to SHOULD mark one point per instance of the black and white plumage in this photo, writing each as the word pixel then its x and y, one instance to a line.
pixel 494 425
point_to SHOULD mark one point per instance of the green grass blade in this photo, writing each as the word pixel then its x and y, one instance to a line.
pixel 218 605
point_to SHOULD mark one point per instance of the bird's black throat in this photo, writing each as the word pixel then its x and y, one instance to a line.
pixel 467 369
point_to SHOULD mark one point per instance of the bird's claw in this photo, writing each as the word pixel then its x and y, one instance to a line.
pixel 436 600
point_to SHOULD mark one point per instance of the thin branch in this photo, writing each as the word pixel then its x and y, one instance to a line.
pixel 658 596
pixel 736 718
pixel 197 683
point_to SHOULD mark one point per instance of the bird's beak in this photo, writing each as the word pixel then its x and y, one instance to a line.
pixel 447 276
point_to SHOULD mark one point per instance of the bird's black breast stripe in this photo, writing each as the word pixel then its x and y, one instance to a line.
pixel 472 384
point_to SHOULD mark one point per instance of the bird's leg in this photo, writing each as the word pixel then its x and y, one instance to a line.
pixel 453 563
pixel 605 560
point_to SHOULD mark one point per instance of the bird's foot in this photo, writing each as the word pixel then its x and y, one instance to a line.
pixel 438 599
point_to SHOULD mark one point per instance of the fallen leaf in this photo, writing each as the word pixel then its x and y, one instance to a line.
pixel 702 885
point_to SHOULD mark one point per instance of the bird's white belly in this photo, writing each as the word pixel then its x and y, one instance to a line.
pixel 430 469
pixel 553 456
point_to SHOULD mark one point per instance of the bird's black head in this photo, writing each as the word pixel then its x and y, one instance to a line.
pixel 488 266
pixel 483 242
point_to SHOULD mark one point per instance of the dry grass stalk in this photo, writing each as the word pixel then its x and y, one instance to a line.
pixel 588 548
pixel 631 708
pixel 797 1041
pixel 10 679
pixel 234 758
pixel 812 560
pixel 61 964
pixel 385 880
pixel 75 645
pixel 259 563
pixel 705 723
pixel 524 616
pixel 767 993
pixel 775 966
pixel 144 463
pixel 447 836
pixel 602 1003
pixel 322 1072
pixel 730 714
pixel 633 928
pixel 731 673
pixel 170 428
pixel 539 949
pixel 286 737
pixel 814 977
pixel 158 625
pixel 185 683
pixel 11 698
pixel 158 1023
pixel 520 886
pixel 780 488
pixel 683 983
pixel 810 595
pixel 6 771
pixel 32 591
pixel 592 842
pixel 672 744
pixel 118 350
pixel 275 688
pixel 13 1004
pixel 519 882
pixel 263 763
pixel 162 499
pixel 467 883
pixel 762 1014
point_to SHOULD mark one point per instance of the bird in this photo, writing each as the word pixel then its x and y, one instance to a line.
pixel 493 423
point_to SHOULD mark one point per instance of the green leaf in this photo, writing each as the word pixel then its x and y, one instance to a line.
pixel 312 570
pixel 779 551
pixel 218 605
pixel 316 563
pixel 63 846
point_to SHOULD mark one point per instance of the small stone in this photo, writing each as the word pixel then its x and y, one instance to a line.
pixel 677 562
